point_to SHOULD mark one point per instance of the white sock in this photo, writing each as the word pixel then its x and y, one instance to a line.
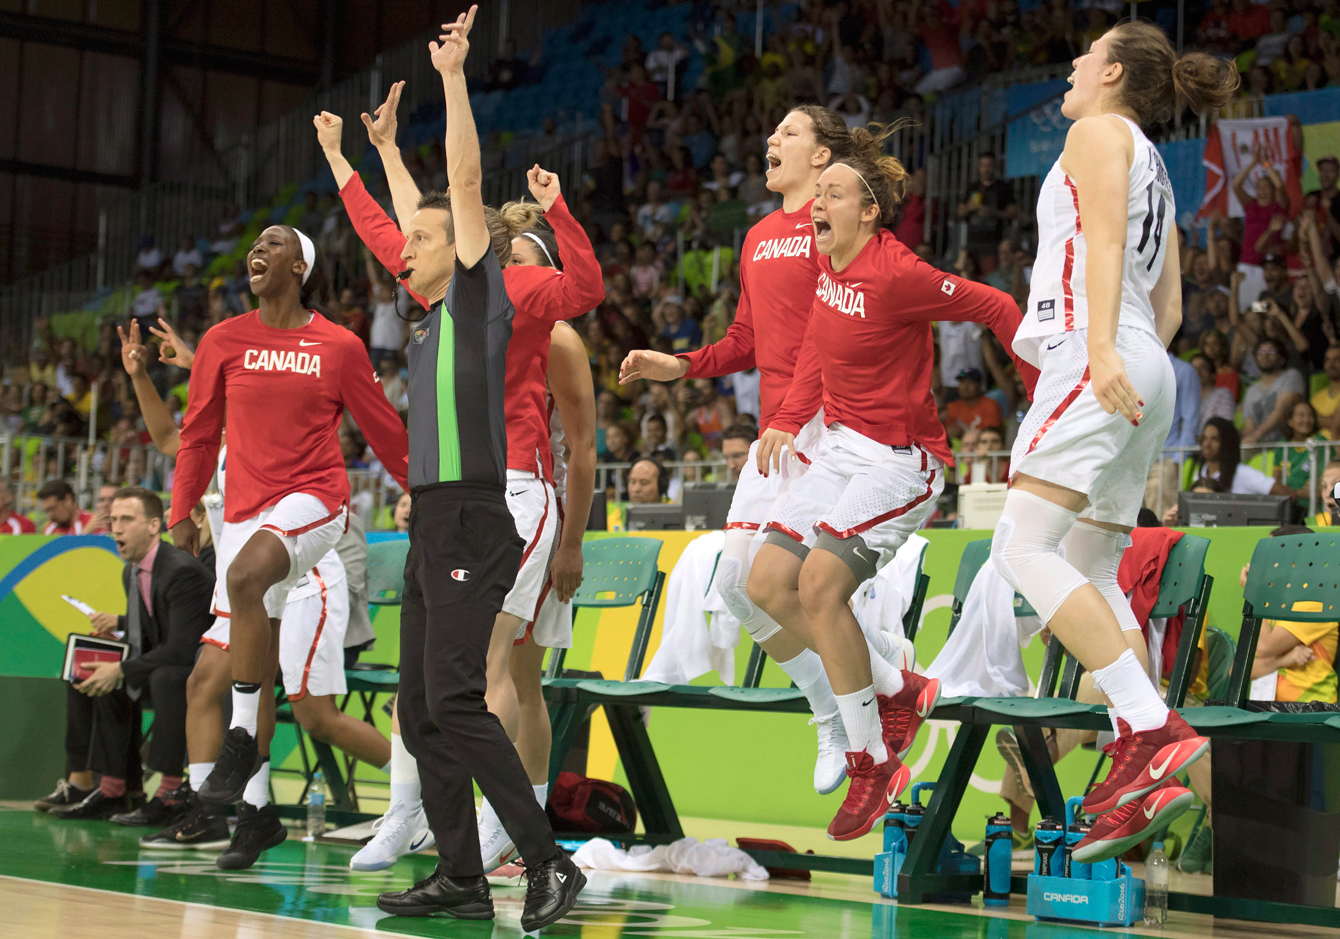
pixel 1128 687
pixel 1112 716
pixel 406 793
pixel 198 773
pixel 860 716
pixel 541 794
pixel 488 819
pixel 807 671
pixel 257 792
pixel 246 703
pixel 888 680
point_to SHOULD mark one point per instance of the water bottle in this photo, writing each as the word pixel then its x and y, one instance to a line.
pixel 1156 887
pixel 316 807
pixel 1075 830
pixel 999 845
pixel 894 840
pixel 1050 840
pixel 912 816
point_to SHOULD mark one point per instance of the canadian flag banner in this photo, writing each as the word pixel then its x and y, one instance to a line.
pixel 1229 147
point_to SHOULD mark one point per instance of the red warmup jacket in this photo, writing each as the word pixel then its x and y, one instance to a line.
pixel 869 350
pixel 1139 576
pixel 286 391
pixel 778 268
pixel 541 296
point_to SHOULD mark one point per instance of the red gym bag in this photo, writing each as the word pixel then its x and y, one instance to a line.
pixel 594 806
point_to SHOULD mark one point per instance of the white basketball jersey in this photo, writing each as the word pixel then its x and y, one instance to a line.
pixel 557 446
pixel 1058 300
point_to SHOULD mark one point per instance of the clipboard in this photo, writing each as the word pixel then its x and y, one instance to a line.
pixel 82 653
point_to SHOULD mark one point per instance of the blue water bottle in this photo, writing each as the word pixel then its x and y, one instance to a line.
pixel 1105 870
pixel 999 845
pixel 1075 830
pixel 1050 839
pixel 894 839
pixel 912 816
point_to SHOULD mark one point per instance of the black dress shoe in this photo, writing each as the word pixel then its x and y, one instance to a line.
pixel 461 897
pixel 157 812
pixel 203 828
pixel 551 893
pixel 237 763
pixel 64 794
pixel 257 830
pixel 94 806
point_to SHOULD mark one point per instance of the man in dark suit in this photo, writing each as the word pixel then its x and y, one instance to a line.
pixel 167 601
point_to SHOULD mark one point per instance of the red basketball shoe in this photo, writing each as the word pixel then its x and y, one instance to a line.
pixel 1142 762
pixel 902 715
pixel 1121 829
pixel 871 790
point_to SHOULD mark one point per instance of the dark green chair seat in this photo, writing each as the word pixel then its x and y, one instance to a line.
pixel 621 688
pixel 1209 718
pixel 1032 708
pixel 372 680
pixel 756 695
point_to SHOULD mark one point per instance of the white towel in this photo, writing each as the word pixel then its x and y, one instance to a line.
pixel 983 657
pixel 882 601
pixel 689 646
pixel 712 858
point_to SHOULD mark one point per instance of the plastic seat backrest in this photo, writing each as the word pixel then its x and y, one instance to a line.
pixel 1219 649
pixel 617 571
pixel 1182 574
pixel 386 571
pixel 1296 578
pixel 974 556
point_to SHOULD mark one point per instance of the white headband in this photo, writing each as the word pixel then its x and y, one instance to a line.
pixel 867 185
pixel 536 238
pixel 308 254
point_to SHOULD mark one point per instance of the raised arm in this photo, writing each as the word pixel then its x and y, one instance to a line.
pixel 1240 180
pixel 462 141
pixel 542 291
pixel 198 451
pixel 381 132
pixel 1097 159
pixel 156 416
pixel 575 397
pixel 1281 192
pixel 329 130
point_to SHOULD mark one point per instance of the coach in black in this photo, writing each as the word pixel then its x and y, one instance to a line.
pixel 167 604
pixel 464 550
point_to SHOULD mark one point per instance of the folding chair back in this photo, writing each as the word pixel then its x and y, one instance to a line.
pixel 974 556
pixel 1294 578
pixel 386 571
pixel 618 572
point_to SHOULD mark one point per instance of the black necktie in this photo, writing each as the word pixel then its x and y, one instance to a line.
pixel 134 629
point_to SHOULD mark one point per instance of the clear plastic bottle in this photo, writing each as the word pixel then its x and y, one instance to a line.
pixel 317 794
pixel 1156 886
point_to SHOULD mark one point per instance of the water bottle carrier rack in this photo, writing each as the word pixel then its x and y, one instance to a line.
pixel 1119 902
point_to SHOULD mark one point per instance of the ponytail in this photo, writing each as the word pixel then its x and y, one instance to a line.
pixel 884 176
pixel 527 219
pixel 1156 81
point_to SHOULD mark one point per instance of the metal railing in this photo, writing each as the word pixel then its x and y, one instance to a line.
pixel 29 461
pixel 681 472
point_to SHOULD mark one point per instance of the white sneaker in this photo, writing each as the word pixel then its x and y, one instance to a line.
pixel 830 769
pixel 397 835
pixel 495 848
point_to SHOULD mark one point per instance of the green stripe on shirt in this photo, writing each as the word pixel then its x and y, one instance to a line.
pixel 448 434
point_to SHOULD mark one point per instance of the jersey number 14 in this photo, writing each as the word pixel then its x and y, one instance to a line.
pixel 1150 221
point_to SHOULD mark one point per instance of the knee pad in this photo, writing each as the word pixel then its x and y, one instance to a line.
pixel 1096 553
pixel 732 583
pixel 855 553
pixel 1024 550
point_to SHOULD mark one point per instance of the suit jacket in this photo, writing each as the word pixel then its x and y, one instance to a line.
pixel 353 552
pixel 181 588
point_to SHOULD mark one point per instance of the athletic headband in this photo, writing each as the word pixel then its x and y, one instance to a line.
pixel 536 238
pixel 308 254
pixel 867 185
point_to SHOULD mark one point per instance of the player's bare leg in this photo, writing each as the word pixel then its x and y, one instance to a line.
pixel 324 721
pixel 534 738
pixel 501 693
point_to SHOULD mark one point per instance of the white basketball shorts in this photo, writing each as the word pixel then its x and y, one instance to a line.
pixel 857 486
pixel 311 631
pixel 534 508
pixel 755 494
pixel 1068 439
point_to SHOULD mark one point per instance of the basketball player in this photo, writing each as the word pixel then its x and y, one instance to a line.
pixel 311 658
pixel 287 375
pixel 1104 304
pixel 778 269
pixel 874 479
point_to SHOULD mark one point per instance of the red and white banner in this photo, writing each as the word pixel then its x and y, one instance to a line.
pixel 1228 148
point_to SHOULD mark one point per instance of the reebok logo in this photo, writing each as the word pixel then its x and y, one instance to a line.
pixel 304 343
pixel 1065 898
pixel 459 574
pixel 1156 772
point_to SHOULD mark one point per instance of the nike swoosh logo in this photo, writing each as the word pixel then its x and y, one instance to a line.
pixel 923 709
pixel 1157 772
pixel 866 703
pixel 417 845
pixel 304 342
pixel 805 225
pixel 1057 343
pixel 1152 810
pixel 515 494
